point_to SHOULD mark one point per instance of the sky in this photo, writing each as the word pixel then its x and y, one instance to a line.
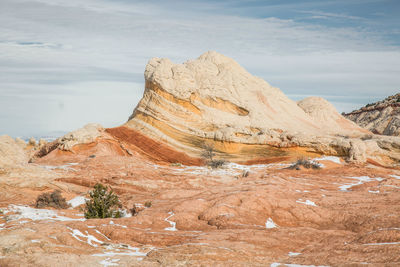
pixel 64 64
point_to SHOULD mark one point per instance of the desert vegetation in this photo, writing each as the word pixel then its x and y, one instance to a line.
pixel 208 155
pixel 54 200
pixel 306 163
pixel 102 203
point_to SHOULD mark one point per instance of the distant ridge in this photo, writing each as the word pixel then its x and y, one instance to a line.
pixel 382 117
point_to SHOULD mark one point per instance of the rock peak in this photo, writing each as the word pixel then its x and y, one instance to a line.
pixel 214 98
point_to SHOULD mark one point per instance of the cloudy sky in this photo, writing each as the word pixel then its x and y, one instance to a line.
pixel 67 63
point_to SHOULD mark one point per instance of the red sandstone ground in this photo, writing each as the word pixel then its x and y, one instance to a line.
pixel 321 217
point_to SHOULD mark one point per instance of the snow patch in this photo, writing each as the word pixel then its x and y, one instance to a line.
pixel 109 262
pixel 307 202
pixel 361 180
pixel 329 158
pixel 90 239
pixel 65 167
pixel 232 169
pixel 381 244
pixel 395 176
pixel 25 212
pixel 116 224
pixel 293 254
pixel 277 264
pixel 270 224
pixel 173 224
pixel 123 250
pixel 77 201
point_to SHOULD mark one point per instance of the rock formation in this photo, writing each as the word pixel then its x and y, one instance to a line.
pixel 11 152
pixel 325 115
pixel 213 99
pixel 382 117
pixel 337 214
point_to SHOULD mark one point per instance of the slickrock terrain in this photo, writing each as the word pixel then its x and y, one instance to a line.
pixel 252 211
pixel 212 99
pixel 382 117
pixel 340 214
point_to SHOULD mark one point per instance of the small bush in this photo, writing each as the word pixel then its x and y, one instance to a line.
pixel 208 155
pixel 102 203
pixel 147 204
pixel 308 164
pixel 54 200
pixel 216 163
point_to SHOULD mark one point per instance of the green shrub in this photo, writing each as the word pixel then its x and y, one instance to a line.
pixel 102 203
pixel 147 204
pixel 54 200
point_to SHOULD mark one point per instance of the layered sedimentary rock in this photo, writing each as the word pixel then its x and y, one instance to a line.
pixel 213 99
pixel 382 117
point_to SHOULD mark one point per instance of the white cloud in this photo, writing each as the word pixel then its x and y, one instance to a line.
pixel 50 48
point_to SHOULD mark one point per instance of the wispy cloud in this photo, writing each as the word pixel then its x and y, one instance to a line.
pixel 327 15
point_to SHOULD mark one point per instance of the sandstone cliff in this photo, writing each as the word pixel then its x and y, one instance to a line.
pixel 213 99
pixel 382 117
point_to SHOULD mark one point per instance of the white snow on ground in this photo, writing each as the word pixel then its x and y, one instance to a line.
pixel 270 224
pixel 123 250
pixel 307 202
pixel 25 212
pixel 230 168
pixel 395 176
pixel 173 224
pixel 373 192
pixel 109 262
pixel 65 167
pixel 103 235
pixel 292 254
pixel 381 244
pixel 35 241
pixel 116 224
pixel 329 158
pixel 89 238
pixel 361 180
pixel 276 264
pixel 77 201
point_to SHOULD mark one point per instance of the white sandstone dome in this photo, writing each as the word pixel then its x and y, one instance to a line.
pixel 326 115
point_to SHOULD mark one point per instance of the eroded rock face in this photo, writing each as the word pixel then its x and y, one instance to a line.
pixel 213 99
pixel 84 135
pixel 11 152
pixel 382 117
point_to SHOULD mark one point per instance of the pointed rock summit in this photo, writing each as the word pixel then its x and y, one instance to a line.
pixel 212 99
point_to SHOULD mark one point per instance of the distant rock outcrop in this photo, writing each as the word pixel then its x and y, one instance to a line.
pixel 326 116
pixel 11 152
pixel 382 117
pixel 212 99
pixel 84 135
